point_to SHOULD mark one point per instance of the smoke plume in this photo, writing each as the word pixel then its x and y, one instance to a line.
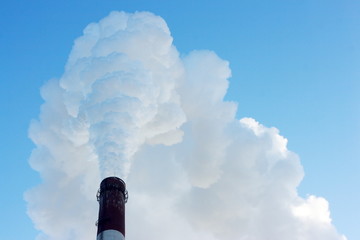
pixel 128 105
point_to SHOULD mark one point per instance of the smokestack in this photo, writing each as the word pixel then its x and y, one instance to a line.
pixel 112 197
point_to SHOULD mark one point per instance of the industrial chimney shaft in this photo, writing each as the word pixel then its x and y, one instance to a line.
pixel 112 197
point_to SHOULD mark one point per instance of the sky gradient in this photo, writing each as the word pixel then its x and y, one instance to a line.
pixel 295 66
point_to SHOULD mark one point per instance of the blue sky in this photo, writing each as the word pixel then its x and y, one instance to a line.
pixel 295 66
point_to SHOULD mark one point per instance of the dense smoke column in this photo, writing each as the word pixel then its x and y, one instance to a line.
pixel 129 104
pixel 112 197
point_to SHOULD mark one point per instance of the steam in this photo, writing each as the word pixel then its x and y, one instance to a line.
pixel 129 105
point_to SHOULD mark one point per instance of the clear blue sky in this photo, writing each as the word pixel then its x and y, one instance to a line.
pixel 295 66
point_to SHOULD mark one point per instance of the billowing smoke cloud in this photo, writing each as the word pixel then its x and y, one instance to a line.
pixel 129 105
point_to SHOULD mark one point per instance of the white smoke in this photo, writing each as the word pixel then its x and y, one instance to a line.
pixel 129 105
